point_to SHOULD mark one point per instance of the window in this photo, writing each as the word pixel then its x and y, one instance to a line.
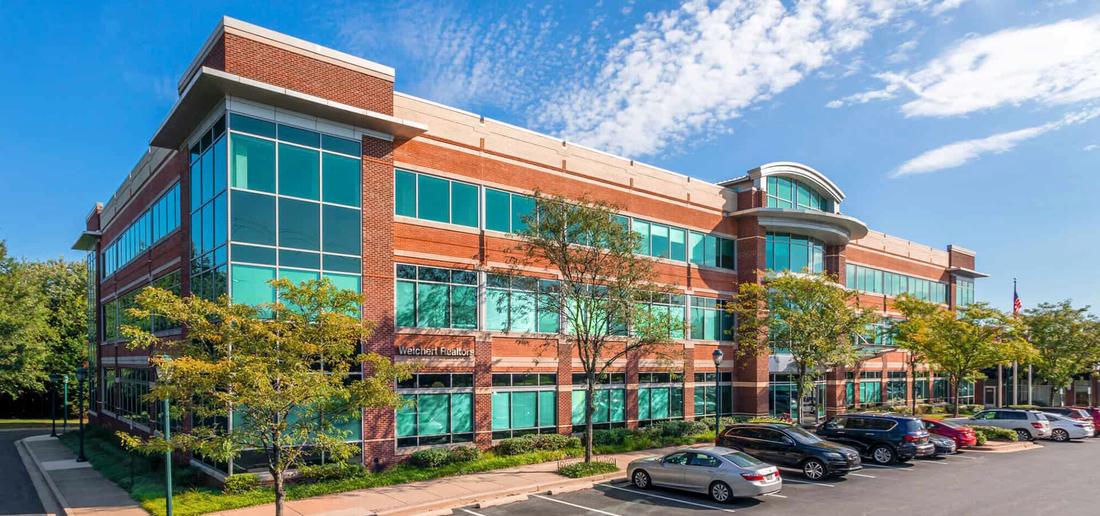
pixel 521 304
pixel 524 404
pixel 507 212
pixel 434 297
pixel 161 219
pixel 866 279
pixel 783 396
pixel 787 252
pixel 709 319
pixel 870 387
pixel 433 198
pixel 712 251
pixel 295 204
pixel 435 418
pixel 609 411
pixel 665 307
pixel 785 192
pixel 709 397
pixel 896 386
pixel 964 291
pixel 657 403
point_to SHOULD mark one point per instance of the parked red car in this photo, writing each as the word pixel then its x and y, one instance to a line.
pixel 1095 413
pixel 962 435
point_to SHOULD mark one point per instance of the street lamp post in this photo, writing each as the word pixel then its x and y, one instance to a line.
pixel 162 374
pixel 65 405
pixel 717 355
pixel 81 374
pixel 54 378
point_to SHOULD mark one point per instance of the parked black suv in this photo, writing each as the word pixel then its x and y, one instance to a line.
pixel 883 438
pixel 791 446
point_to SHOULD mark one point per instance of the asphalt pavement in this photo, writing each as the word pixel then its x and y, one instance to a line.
pixel 17 494
pixel 1058 479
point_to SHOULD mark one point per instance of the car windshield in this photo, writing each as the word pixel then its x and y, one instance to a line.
pixel 742 459
pixel 947 424
pixel 803 436
pixel 1040 416
pixel 913 425
pixel 1053 417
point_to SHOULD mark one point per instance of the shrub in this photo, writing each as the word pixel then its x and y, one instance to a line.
pixel 515 446
pixel 770 420
pixel 587 469
pixel 553 441
pixel 992 433
pixel 465 453
pixel 330 471
pixel 240 483
pixel 612 437
pixel 430 458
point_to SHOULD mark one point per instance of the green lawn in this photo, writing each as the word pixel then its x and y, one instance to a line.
pixel 143 477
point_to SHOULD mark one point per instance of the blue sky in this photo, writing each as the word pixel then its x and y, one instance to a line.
pixel 944 121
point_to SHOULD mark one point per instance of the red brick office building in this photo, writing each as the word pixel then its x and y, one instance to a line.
pixel 282 158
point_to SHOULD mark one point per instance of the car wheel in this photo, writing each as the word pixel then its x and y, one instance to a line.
pixel 721 492
pixel 882 454
pixel 641 480
pixel 1060 435
pixel 814 469
pixel 1023 435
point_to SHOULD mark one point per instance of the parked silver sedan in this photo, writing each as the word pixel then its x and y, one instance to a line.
pixel 722 473
pixel 1064 428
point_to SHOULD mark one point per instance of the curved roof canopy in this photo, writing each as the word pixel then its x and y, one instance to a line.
pixel 802 172
pixel 831 228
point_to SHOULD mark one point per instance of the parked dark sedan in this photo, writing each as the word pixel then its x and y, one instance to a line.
pixel 791 446
pixel 944 445
pixel 883 438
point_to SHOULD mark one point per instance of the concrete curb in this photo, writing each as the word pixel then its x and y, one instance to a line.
pixel 58 501
pixel 501 497
pixel 1009 447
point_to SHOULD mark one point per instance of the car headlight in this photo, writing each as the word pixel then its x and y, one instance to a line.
pixel 834 456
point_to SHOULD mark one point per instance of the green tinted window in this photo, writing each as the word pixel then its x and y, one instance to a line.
pixel 341 179
pixel 299 136
pixel 341 230
pixel 548 408
pixel 253 254
pixel 498 214
pixel 501 413
pixel 522 208
pixel 676 243
pixel 299 259
pixel 342 264
pixel 345 281
pixel 252 163
pixel 405 193
pixel 406 303
pixel 464 307
pixel 659 241
pixel 299 224
pixel 462 411
pixel 642 229
pixel 433 411
pixel 406 416
pixel 341 145
pixel 464 208
pixel 431 305
pixel 250 285
pixel 524 408
pixel 253 218
pixel 239 122
pixel 299 172
pixel 433 196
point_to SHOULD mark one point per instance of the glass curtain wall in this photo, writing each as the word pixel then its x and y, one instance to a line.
pixel 795 253
pixel 610 402
pixel 439 409
pixel 524 404
pixel 783 396
pixel 660 397
pixel 710 398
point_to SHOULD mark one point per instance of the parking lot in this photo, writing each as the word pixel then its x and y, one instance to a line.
pixel 1060 478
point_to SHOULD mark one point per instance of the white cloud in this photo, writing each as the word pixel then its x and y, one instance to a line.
pixel 1053 64
pixel 962 152
pixel 901 53
pixel 946 5
pixel 686 71
pixel 1091 147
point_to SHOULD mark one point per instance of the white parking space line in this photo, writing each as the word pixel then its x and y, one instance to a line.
pixel 810 483
pixel 575 505
pixel 775 495
pixel 862 475
pixel 669 498
pixel 910 470
pixel 468 511
pixel 939 462
pixel 963 457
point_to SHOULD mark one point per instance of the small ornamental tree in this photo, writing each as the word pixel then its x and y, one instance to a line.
pixel 279 372
pixel 602 289
pixel 914 334
pixel 810 315
pixel 960 344
pixel 1065 342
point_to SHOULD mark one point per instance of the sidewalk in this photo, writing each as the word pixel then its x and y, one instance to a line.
pixel 445 493
pixel 73 486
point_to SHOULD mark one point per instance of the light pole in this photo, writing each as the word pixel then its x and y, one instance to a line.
pixel 717 355
pixel 54 378
pixel 81 374
pixel 65 405
pixel 162 373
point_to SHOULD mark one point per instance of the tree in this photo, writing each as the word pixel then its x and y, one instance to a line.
pixel 603 286
pixel 810 315
pixel 24 330
pixel 914 333
pixel 962 343
pixel 63 288
pixel 1065 342
pixel 279 371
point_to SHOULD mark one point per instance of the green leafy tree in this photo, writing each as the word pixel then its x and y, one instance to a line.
pixel 62 286
pixel 810 315
pixel 914 334
pixel 280 372
pixel 961 344
pixel 602 289
pixel 1065 341
pixel 24 330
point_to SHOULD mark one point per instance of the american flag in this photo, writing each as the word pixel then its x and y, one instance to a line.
pixel 1016 304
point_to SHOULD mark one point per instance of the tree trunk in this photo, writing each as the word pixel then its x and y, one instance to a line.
pixel 277 476
pixel 798 394
pixel 955 394
pixel 913 383
pixel 1050 396
pixel 589 409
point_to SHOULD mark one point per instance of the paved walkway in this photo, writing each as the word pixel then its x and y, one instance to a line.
pixel 72 485
pixel 440 494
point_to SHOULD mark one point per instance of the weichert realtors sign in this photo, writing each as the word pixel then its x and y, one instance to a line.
pixel 434 352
